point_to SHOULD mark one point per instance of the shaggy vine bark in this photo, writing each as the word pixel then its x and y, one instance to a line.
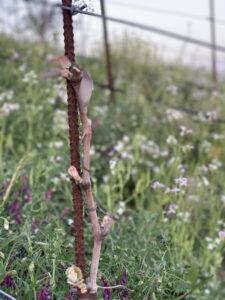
pixel 74 142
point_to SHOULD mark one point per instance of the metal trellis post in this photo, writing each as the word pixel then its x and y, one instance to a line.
pixel 107 50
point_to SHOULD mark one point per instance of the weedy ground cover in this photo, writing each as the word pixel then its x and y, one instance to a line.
pixel 157 161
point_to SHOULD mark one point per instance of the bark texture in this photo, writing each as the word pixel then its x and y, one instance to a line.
pixel 74 142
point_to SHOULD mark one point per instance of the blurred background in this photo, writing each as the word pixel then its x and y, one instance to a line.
pixel 157 154
pixel 202 20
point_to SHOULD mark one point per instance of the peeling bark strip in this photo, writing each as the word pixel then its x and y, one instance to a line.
pixel 74 142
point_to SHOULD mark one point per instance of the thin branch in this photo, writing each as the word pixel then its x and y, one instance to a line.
pixel 83 85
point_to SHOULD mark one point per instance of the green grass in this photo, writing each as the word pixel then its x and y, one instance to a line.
pixel 168 243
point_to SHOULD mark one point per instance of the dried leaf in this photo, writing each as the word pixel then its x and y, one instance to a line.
pixel 85 91
pixel 75 278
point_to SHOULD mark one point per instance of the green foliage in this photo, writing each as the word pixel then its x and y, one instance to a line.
pixel 159 132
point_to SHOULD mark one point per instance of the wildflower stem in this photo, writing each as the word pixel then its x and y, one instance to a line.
pixel 13 179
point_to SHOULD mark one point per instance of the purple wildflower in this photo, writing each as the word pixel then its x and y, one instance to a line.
pixel 124 293
pixel 15 211
pixel 27 196
pixel 25 189
pixel 182 181
pixel 9 282
pixel 106 292
pixel 172 208
pixel 157 185
pixel 48 195
pixel 64 212
pixel 71 295
pixel 124 278
pixel 44 294
pixel 222 235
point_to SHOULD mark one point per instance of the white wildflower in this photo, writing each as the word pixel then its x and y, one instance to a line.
pixel 223 199
pixel 69 222
pixel 151 148
pixel 126 155
pixel 204 182
pixel 7 108
pixel 182 168
pixel 30 78
pixel 51 100
pixel 211 246
pixel 217 136
pixel 164 153
pixel 64 177
pixel 172 191
pixel 171 140
pixel 92 150
pixel 126 138
pixel 121 208
pixel 60 120
pixel 202 169
pixel 211 115
pixel 105 178
pixel 193 198
pixel 58 158
pixel 157 185
pixel 185 216
pixel 187 148
pixel 182 181
pixel 184 131
pixel 7 95
pixel 112 164
pixel 206 146
pixel 119 146
pixel 172 89
pixel 208 239
pixel 56 144
pixel 6 224
pixel 55 180
pixel 156 169
pixel 215 165
pixel 172 209
pixel 173 114
pixel 61 92
pixel 101 110
pixel 216 94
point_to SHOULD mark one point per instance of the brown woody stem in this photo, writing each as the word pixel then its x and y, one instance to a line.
pixel 99 230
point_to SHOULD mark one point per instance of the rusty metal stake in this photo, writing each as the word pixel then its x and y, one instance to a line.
pixel 107 51
pixel 74 142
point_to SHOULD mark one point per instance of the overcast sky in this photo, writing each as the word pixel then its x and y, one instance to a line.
pixel 148 12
